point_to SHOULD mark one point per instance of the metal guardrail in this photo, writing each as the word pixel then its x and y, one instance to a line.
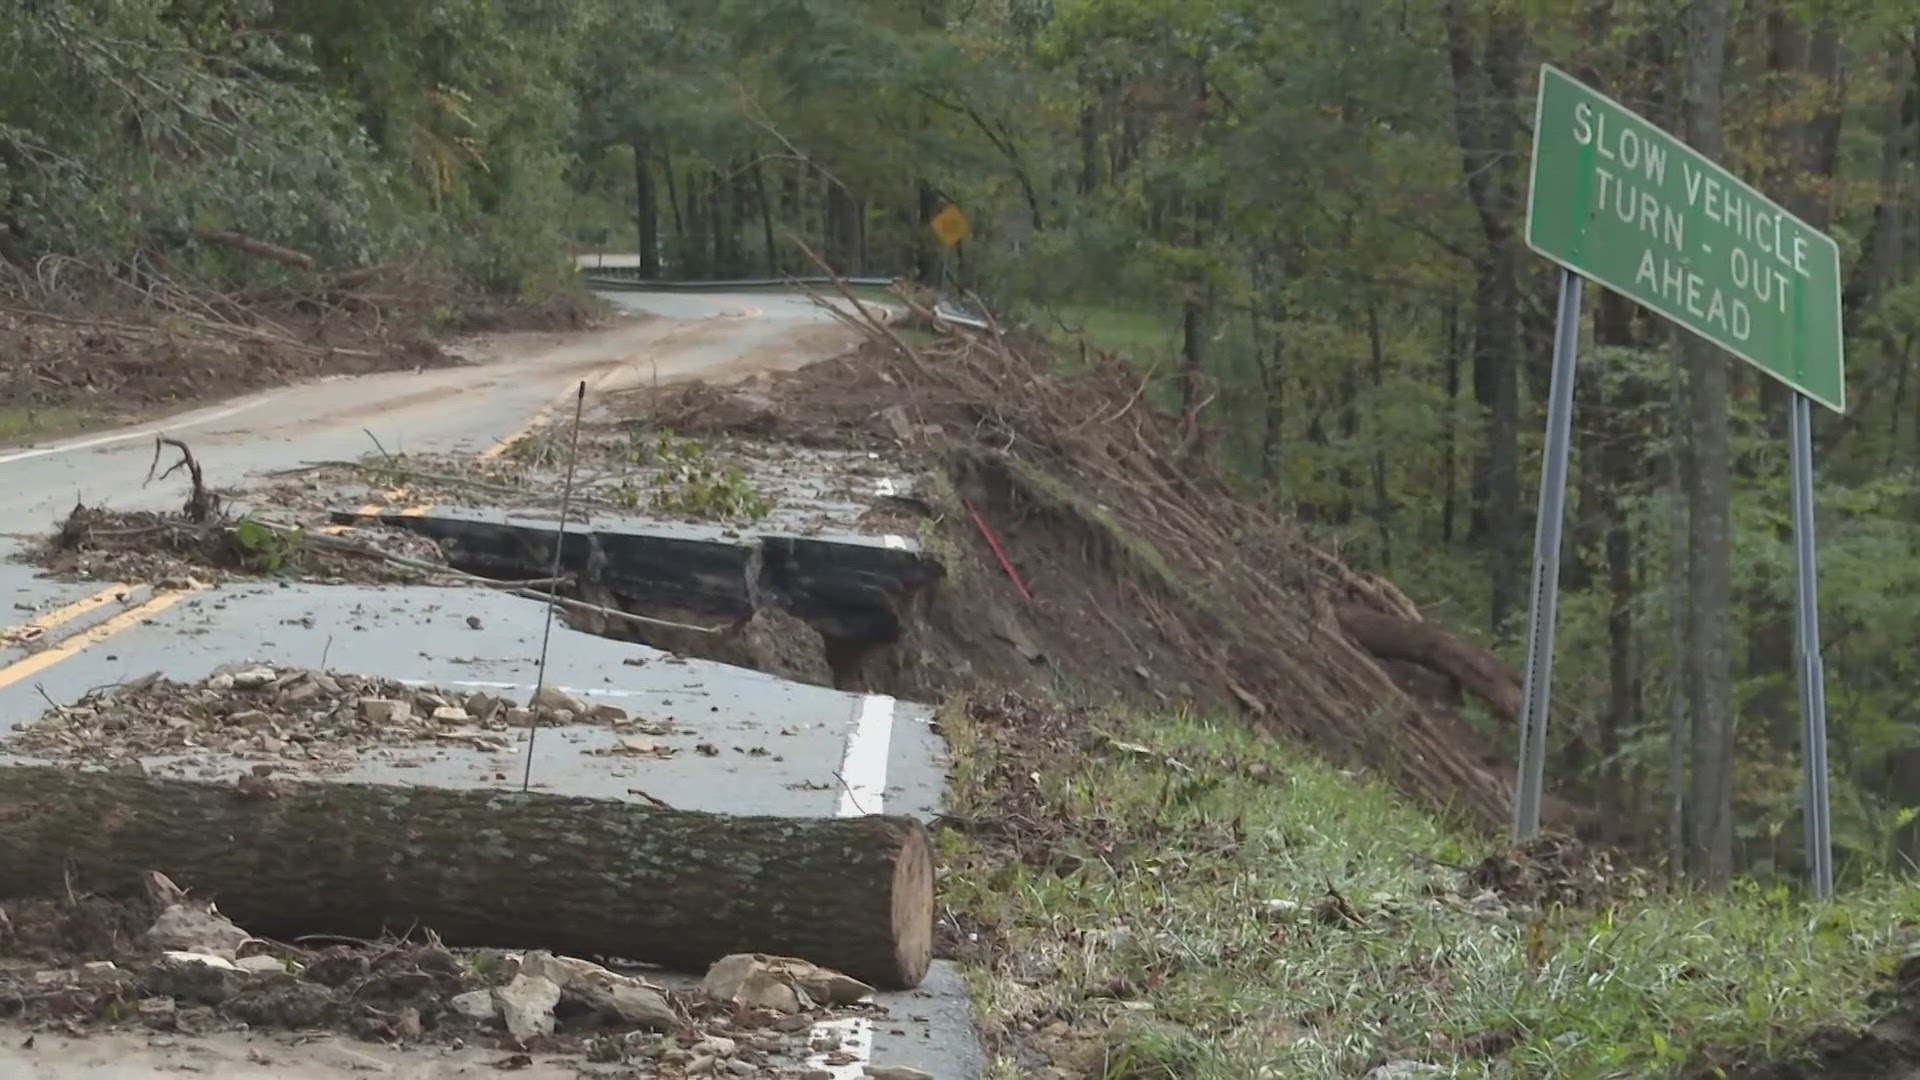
pixel 628 278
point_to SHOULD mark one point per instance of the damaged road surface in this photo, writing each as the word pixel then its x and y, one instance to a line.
pixel 138 669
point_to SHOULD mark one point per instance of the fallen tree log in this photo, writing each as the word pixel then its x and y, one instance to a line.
pixel 259 249
pixel 1478 671
pixel 580 876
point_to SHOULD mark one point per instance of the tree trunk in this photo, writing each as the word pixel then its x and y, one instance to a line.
pixel 1486 97
pixel 719 227
pixel 1089 149
pixel 843 238
pixel 1193 354
pixel 1616 460
pixel 680 223
pixel 646 210
pixel 766 219
pixel 927 252
pixel 1449 468
pixel 589 877
pixel 1382 500
pixel 1478 671
pixel 1884 248
pixel 1709 497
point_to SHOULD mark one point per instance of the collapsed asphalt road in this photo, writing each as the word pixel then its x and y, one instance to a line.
pixel 834 753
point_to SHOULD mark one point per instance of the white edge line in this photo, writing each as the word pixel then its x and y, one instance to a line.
pixel 894 543
pixel 863 783
pixel 863 773
pixel 103 440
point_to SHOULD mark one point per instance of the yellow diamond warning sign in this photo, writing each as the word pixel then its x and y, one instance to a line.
pixel 950 225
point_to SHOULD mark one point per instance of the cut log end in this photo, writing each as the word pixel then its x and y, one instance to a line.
pixel 912 930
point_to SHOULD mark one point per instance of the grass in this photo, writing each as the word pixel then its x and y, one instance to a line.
pixel 19 424
pixel 1177 922
pixel 1141 333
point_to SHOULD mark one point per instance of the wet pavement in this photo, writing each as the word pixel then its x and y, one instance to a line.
pixel 776 747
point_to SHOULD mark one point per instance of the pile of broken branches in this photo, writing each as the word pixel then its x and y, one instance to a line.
pixel 132 335
pixel 1291 634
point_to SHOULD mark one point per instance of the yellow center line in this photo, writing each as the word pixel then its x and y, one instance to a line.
pixel 28 666
pixel 548 409
pixel 365 510
pixel 47 620
pixel 521 432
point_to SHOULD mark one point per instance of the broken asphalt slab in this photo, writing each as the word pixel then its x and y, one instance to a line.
pixel 778 747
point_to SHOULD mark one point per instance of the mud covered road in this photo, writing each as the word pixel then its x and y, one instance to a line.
pixel 783 747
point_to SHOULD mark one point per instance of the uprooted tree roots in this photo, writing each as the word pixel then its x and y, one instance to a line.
pixel 202 504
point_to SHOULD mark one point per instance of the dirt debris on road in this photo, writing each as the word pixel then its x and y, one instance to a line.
pixel 95 336
pixel 299 721
pixel 141 546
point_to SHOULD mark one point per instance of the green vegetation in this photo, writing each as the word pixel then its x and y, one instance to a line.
pixel 265 548
pixel 17 424
pixel 1166 896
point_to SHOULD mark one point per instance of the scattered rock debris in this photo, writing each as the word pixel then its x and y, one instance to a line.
pixel 414 991
pixel 296 718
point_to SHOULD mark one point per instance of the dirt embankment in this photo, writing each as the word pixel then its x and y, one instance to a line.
pixel 1087 534
pixel 79 347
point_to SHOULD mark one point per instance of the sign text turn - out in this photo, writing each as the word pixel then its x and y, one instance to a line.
pixel 1619 201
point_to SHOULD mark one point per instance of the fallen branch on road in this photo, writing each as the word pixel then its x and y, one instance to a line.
pixel 201 503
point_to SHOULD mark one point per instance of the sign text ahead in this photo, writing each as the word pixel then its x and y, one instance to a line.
pixel 1618 200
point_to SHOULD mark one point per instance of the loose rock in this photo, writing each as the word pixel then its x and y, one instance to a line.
pixel 781 983
pixel 253 678
pixel 385 711
pixel 526 1005
pixel 475 1005
pixel 198 977
pixel 557 700
pixel 196 928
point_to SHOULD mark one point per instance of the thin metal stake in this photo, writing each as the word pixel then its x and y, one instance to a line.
pixel 1546 564
pixel 1813 691
pixel 559 541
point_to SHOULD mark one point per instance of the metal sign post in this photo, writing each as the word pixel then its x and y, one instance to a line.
pixel 1813 691
pixel 1546 563
pixel 1617 200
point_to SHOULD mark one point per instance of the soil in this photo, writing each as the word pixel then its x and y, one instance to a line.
pixel 1887 1049
pixel 1080 539
pixel 65 349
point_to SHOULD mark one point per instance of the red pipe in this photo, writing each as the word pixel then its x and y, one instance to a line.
pixel 981 523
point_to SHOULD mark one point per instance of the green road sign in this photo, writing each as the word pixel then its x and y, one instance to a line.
pixel 1617 200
